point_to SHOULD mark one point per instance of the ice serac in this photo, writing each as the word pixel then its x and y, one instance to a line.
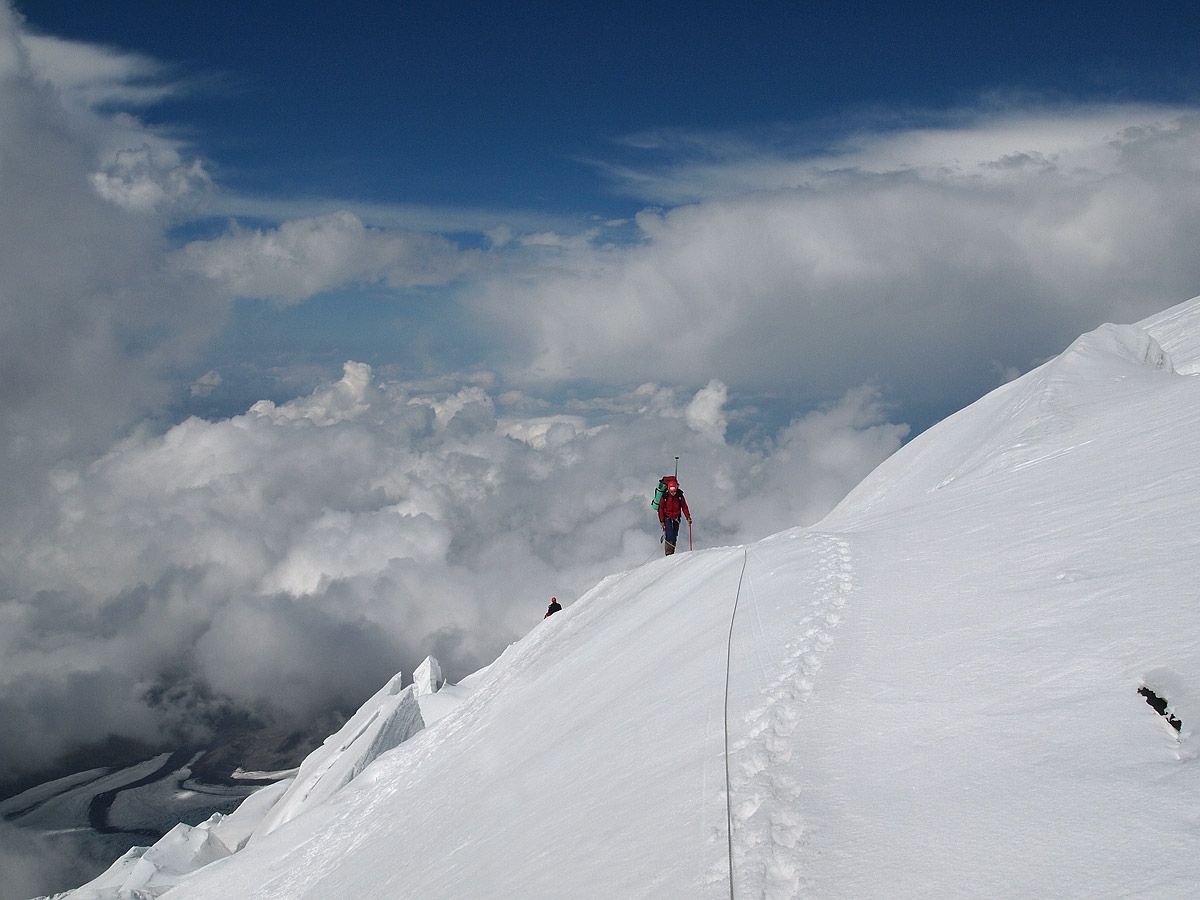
pixel 235 829
pixel 427 679
pixel 146 872
pixel 385 721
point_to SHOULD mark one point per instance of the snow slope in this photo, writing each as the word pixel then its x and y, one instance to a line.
pixel 931 694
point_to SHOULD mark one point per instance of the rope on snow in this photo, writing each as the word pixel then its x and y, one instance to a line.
pixel 728 656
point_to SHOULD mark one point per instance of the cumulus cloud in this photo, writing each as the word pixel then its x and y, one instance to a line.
pixel 146 179
pixel 90 320
pixel 99 312
pixel 928 258
pixel 304 257
pixel 94 87
pixel 292 557
pixel 706 412
pixel 97 318
pixel 93 327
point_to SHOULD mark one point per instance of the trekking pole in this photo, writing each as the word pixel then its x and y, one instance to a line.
pixel 689 534
pixel 677 468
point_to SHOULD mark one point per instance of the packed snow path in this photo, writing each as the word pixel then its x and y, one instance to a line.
pixel 766 802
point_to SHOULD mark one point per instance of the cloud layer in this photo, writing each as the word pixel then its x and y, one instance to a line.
pixel 929 259
pixel 305 257
pixel 932 259
pixel 290 558
pixel 85 330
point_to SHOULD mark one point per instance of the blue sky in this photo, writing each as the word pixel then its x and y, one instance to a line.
pixel 486 105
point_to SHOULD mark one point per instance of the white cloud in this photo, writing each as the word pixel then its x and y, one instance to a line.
pixel 91 324
pixel 136 167
pixel 91 76
pixel 206 383
pixel 145 180
pixel 1004 144
pixel 706 413
pixel 304 257
pixel 345 400
pixel 350 532
pixel 540 433
pixel 922 259
pixel 498 226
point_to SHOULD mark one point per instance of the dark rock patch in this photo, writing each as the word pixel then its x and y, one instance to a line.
pixel 1159 705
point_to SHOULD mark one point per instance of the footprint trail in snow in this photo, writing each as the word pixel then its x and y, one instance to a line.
pixel 766 807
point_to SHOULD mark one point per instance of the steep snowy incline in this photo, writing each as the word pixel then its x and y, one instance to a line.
pixel 587 763
pixel 932 694
pixel 979 731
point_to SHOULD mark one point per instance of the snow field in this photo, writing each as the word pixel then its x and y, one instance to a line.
pixel 931 694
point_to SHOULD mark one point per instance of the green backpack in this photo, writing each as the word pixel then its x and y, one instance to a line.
pixel 662 489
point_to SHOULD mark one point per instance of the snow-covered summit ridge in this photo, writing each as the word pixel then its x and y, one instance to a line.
pixel 1021 422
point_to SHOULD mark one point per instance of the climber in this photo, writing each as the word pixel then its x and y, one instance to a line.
pixel 670 508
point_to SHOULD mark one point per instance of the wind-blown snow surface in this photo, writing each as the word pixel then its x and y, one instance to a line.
pixel 933 693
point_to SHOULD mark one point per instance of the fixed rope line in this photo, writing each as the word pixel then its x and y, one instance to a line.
pixel 728 657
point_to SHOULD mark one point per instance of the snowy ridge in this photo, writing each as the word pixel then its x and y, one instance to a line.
pixel 1012 427
pixel 934 693
pixel 146 872
pixel 390 717
pixel 385 721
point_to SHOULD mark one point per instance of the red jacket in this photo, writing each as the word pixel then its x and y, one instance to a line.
pixel 672 506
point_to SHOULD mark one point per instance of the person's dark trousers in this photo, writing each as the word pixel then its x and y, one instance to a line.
pixel 670 533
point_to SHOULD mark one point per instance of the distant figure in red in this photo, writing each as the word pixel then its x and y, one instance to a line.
pixel 555 606
pixel 670 508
